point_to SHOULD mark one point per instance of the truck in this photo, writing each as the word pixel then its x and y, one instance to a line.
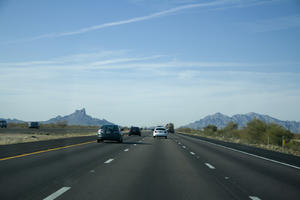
pixel 170 128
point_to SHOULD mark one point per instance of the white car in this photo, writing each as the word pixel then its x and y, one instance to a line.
pixel 160 132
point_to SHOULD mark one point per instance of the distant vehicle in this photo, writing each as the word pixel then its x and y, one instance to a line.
pixel 134 131
pixel 160 132
pixel 110 132
pixel 33 125
pixel 170 128
pixel 3 124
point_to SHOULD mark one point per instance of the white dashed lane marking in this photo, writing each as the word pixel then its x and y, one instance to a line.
pixel 254 198
pixel 126 149
pixel 184 147
pixel 57 193
pixel 109 161
pixel 210 166
pixel 192 153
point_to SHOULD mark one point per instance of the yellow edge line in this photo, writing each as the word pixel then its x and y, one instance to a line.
pixel 47 150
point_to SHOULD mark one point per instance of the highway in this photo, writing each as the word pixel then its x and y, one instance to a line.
pixel 180 167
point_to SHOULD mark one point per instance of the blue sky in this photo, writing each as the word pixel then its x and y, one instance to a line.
pixel 137 62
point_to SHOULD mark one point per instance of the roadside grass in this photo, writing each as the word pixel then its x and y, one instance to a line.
pixel 21 133
pixel 22 138
pixel 257 134
pixel 293 147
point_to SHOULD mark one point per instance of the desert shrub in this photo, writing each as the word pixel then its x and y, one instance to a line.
pixel 210 130
pixel 255 131
pixel 62 124
pixel 230 131
pixel 231 126
pixel 17 125
pixel 184 130
pixel 275 133
pixel 211 127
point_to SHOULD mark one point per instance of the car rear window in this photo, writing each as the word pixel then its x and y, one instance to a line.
pixel 160 129
pixel 113 128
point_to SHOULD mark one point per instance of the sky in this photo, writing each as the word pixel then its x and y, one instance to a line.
pixel 146 63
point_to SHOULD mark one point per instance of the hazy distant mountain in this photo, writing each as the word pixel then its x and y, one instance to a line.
pixel 79 117
pixel 13 120
pixel 221 121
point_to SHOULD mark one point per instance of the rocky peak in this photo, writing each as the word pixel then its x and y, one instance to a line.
pixel 80 112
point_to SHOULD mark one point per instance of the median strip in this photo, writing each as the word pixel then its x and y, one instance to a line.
pixel 47 150
pixel 57 193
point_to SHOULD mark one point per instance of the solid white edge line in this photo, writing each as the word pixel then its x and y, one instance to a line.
pixel 57 193
pixel 192 153
pixel 210 166
pixel 250 154
pixel 254 198
pixel 184 147
pixel 109 161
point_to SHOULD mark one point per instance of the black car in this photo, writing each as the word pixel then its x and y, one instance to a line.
pixel 134 131
pixel 34 125
pixel 110 132
pixel 3 124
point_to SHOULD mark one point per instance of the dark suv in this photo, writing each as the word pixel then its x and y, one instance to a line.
pixel 3 124
pixel 110 132
pixel 134 131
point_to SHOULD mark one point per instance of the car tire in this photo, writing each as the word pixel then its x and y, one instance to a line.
pixel 98 140
pixel 166 137
pixel 120 140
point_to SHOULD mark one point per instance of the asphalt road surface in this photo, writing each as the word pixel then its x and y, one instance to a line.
pixel 179 167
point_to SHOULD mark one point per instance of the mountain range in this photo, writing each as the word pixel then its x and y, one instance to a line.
pixel 221 121
pixel 79 117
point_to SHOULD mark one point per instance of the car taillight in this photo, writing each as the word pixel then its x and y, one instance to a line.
pixel 155 131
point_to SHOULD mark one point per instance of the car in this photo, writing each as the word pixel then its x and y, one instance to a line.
pixel 34 125
pixel 160 132
pixel 134 131
pixel 110 132
pixel 3 124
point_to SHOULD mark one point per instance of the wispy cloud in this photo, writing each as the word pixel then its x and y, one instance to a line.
pixel 124 60
pixel 128 21
pixel 213 5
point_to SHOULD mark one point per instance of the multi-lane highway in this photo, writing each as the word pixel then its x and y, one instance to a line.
pixel 180 167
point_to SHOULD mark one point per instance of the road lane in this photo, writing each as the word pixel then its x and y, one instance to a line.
pixel 179 167
pixel 259 177
pixel 36 176
pixel 159 170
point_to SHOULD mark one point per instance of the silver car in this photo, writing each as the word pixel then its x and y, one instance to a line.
pixel 160 132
